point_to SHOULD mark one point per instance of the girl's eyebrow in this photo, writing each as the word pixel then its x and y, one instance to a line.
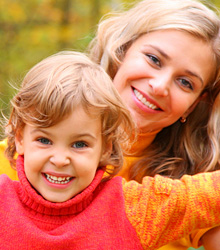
pixel 168 58
pixel 87 135
pixel 36 130
pixel 80 135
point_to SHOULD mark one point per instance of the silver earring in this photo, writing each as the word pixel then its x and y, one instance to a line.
pixel 183 119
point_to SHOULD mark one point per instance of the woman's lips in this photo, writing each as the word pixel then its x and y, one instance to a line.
pixel 146 101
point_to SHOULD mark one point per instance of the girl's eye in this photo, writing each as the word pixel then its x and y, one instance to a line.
pixel 185 83
pixel 154 59
pixel 44 141
pixel 79 144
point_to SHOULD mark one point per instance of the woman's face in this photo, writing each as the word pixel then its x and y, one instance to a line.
pixel 162 76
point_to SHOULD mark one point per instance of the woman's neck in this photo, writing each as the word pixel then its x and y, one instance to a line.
pixel 141 142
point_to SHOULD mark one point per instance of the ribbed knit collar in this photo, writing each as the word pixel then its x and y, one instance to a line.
pixel 30 197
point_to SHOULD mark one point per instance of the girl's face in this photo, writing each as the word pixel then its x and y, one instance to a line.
pixel 162 76
pixel 61 161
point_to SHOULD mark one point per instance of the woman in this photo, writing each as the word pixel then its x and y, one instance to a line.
pixel 164 58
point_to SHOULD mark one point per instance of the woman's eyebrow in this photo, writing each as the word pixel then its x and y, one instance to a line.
pixel 195 75
pixel 160 51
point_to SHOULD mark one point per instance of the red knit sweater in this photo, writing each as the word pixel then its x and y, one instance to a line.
pixel 107 215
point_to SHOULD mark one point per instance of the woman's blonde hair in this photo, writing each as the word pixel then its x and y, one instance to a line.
pixel 180 148
pixel 56 86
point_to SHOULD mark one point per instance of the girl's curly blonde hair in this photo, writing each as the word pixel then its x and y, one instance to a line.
pixel 56 86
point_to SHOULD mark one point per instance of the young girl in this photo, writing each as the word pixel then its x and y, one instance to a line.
pixel 65 124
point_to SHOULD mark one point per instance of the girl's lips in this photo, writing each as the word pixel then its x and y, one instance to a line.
pixel 56 181
pixel 49 172
pixel 59 179
pixel 144 100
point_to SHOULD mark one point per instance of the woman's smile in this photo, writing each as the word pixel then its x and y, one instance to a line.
pixel 144 100
pixel 160 78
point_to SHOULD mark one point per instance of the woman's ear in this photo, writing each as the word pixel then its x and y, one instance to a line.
pixel 192 107
pixel 19 143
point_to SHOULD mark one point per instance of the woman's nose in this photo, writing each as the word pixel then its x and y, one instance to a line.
pixel 160 86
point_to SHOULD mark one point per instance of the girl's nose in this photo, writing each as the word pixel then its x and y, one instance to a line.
pixel 60 159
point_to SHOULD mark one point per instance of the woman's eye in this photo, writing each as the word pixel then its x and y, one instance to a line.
pixel 79 144
pixel 186 83
pixel 44 141
pixel 154 59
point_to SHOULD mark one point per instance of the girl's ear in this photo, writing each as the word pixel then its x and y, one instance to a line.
pixel 106 153
pixel 19 143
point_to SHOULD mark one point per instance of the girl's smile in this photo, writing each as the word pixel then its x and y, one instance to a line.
pixel 57 181
pixel 60 161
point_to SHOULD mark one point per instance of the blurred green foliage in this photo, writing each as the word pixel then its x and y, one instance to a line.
pixel 33 30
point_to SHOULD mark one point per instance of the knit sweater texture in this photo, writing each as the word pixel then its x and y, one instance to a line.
pixel 143 141
pixel 108 215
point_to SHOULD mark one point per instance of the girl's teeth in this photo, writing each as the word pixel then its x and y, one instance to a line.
pixel 142 99
pixel 57 180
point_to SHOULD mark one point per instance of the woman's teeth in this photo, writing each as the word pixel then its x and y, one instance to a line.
pixel 58 180
pixel 142 99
